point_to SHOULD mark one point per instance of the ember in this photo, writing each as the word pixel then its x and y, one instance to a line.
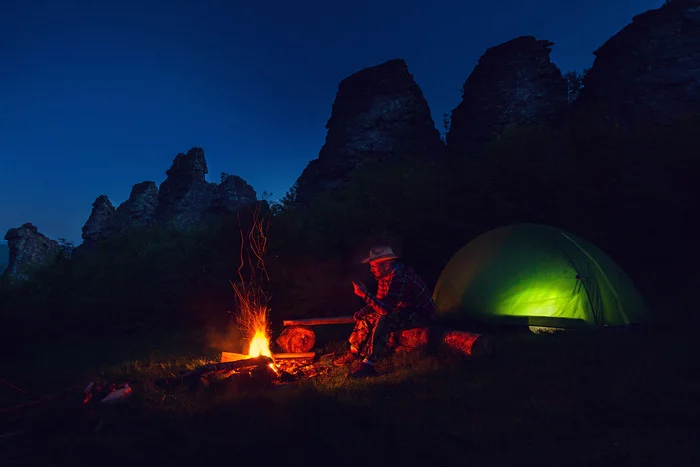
pixel 251 299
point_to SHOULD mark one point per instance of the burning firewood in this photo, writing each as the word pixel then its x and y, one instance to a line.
pixel 296 339
pixel 214 371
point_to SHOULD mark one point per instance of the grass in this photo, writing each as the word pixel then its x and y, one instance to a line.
pixel 571 399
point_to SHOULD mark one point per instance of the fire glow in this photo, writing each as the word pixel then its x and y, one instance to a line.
pixel 251 300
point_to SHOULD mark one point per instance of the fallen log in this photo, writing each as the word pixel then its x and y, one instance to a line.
pixel 295 339
pixel 467 343
pixel 319 321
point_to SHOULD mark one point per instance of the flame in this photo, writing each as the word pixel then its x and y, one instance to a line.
pixel 250 297
pixel 259 345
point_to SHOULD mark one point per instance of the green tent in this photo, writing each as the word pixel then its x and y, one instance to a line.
pixel 536 275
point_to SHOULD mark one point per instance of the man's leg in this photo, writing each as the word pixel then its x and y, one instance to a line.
pixel 380 335
pixel 358 339
pixel 384 328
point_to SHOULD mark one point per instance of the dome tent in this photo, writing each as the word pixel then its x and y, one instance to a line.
pixel 537 275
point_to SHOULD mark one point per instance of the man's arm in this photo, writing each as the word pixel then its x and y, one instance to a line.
pixel 396 292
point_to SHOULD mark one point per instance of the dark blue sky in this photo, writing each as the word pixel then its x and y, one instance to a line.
pixel 96 96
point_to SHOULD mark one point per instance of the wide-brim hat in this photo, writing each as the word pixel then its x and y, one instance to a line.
pixel 380 253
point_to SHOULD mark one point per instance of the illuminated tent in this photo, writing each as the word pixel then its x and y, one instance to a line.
pixel 539 276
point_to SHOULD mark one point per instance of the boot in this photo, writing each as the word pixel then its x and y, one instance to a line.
pixel 346 359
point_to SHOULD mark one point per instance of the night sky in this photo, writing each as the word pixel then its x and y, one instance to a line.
pixel 97 96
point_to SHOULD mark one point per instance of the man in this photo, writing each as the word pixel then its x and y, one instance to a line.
pixel 403 301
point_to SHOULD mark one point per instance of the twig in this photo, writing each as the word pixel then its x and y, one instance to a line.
pixel 13 386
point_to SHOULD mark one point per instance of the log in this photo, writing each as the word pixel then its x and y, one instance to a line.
pixel 257 361
pixel 410 339
pixel 291 356
pixel 233 357
pixel 295 339
pixel 198 373
pixel 319 321
pixel 467 343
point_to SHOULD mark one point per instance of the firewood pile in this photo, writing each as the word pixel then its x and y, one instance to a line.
pixel 297 369
pixel 243 372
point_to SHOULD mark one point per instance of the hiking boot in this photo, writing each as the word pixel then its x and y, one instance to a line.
pixel 364 370
pixel 346 359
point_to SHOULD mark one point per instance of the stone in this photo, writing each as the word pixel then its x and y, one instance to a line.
pixel 97 225
pixel 513 83
pixel 231 194
pixel 379 114
pixel 138 211
pixel 649 72
pixel 29 249
pixel 185 195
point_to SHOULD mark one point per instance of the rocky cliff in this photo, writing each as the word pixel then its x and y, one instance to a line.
pixel 138 210
pixel 185 199
pixel 650 70
pixel 379 114
pixel 28 248
pixel 100 220
pixel 513 83
pixel 185 195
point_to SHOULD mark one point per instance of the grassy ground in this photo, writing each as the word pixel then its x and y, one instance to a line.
pixel 572 399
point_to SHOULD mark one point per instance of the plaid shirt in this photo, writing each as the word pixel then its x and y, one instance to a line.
pixel 402 289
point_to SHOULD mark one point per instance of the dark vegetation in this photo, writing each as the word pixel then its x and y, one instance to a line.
pixel 142 303
pixel 4 256
pixel 585 176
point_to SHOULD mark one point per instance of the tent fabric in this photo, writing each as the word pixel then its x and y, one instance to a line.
pixel 537 275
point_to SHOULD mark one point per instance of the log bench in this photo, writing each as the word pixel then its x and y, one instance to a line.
pixel 298 336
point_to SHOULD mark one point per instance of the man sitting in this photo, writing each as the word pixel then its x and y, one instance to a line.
pixel 402 302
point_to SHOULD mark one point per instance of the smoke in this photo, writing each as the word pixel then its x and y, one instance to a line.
pixel 226 338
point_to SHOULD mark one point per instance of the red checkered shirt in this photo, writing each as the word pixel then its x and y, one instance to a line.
pixel 402 289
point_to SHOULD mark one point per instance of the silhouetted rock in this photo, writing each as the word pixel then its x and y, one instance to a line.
pixel 185 195
pixel 101 217
pixel 513 83
pixel 185 200
pixel 231 194
pixel 650 70
pixel 137 211
pixel 28 249
pixel 379 114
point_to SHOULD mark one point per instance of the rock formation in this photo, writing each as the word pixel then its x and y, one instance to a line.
pixel 185 195
pixel 137 211
pixel 101 217
pixel 232 193
pixel 379 114
pixel 513 83
pixel 28 248
pixel 649 70
pixel 185 199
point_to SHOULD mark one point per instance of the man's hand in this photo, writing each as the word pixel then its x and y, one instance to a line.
pixel 360 289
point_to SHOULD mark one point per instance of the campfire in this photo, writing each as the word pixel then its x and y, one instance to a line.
pixel 259 366
pixel 252 315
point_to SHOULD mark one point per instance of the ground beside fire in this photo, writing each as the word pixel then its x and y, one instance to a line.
pixel 569 399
